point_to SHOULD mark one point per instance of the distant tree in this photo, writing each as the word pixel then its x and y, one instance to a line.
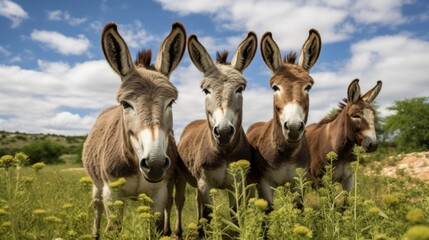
pixel 409 126
pixel 43 151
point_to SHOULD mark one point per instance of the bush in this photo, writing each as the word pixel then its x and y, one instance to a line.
pixel 43 151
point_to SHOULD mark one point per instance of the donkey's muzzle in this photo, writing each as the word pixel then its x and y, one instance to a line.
pixel 154 167
pixel 224 135
pixel 369 144
pixel 293 131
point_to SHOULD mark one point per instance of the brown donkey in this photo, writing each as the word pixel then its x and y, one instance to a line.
pixel 278 144
pixel 134 140
pixel 208 146
pixel 354 123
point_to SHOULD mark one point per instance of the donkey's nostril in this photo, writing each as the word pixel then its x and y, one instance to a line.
pixel 286 126
pixel 301 127
pixel 216 131
pixel 143 164
pixel 231 131
pixel 166 164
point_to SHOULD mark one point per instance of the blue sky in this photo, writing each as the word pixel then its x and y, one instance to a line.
pixel 54 79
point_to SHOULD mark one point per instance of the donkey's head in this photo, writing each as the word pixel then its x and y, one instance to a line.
pixel 146 96
pixel 291 83
pixel 361 115
pixel 223 85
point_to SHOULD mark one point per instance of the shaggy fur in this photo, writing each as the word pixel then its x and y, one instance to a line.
pixel 339 133
pixel 274 157
pixel 114 145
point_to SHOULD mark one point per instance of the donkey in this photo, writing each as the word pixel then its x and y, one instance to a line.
pixel 134 140
pixel 354 123
pixel 279 146
pixel 207 147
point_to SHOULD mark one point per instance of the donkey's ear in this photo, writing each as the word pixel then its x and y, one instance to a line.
pixel 116 50
pixel 353 93
pixel 199 55
pixel 310 50
pixel 372 94
pixel 171 50
pixel 245 52
pixel 270 52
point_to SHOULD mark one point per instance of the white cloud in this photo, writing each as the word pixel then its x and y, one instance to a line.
pixel 291 20
pixel 4 51
pixel 55 15
pixel 34 101
pixel 12 11
pixel 96 25
pixel 386 12
pixel 61 43
pixel 58 15
pixel 135 35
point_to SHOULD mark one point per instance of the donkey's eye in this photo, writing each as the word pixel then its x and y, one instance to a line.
pixel 239 90
pixel 356 116
pixel 126 105
pixel 206 91
pixel 275 88
pixel 171 103
pixel 308 88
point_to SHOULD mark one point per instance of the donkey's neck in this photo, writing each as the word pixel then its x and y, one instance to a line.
pixel 336 132
pixel 277 149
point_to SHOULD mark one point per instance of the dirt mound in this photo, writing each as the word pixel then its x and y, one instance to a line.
pixel 413 164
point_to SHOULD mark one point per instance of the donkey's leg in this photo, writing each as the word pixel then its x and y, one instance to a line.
pixel 98 210
pixel 107 200
pixel 348 178
pixel 266 192
pixel 160 199
pixel 203 199
pixel 167 210
pixel 179 199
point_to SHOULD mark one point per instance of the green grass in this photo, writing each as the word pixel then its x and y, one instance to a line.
pixel 55 202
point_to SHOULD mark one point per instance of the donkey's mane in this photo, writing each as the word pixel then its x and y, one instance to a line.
pixel 221 57
pixel 330 118
pixel 290 58
pixel 143 59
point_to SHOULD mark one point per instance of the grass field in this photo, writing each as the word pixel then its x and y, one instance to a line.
pixel 51 202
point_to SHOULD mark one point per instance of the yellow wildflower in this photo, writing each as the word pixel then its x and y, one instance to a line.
pixel 332 156
pixel 21 159
pixel 242 164
pixel 146 215
pixel 262 204
pixel 3 211
pixel 417 233
pixel 118 183
pixel 374 210
pixel 143 209
pixel 302 231
pixel 7 161
pixel 146 199
pixel 390 199
pixel 38 166
pixel 118 203
pixel 67 206
pixel 85 181
pixel 85 237
pixel 192 227
pixel 52 219
pixel 6 224
pixel 165 238
pixel 415 216
pixel 39 212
